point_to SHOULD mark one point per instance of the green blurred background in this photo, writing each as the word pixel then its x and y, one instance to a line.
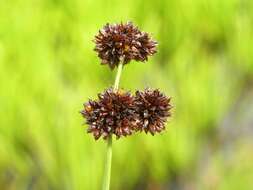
pixel 48 69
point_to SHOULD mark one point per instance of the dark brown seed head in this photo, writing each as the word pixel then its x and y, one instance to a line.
pixel 153 109
pixel 112 113
pixel 123 42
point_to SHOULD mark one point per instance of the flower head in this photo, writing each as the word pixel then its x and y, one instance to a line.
pixel 153 109
pixel 112 113
pixel 123 42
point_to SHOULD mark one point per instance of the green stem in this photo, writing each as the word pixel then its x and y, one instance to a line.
pixel 117 79
pixel 108 162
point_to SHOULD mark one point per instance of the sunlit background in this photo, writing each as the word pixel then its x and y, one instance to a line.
pixel 48 69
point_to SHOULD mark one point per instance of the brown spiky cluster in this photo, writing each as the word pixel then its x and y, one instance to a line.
pixel 122 114
pixel 123 42
pixel 116 112
pixel 112 113
pixel 153 109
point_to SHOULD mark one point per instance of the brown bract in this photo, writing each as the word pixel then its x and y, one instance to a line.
pixel 153 109
pixel 112 113
pixel 123 42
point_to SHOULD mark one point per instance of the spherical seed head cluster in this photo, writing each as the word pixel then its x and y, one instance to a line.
pixel 123 42
pixel 122 114
pixel 153 109
pixel 112 113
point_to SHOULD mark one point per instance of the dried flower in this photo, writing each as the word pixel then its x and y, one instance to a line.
pixel 123 42
pixel 153 109
pixel 112 113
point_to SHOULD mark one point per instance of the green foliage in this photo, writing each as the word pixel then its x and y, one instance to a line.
pixel 48 69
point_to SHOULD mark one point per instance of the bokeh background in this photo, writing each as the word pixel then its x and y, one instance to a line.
pixel 48 69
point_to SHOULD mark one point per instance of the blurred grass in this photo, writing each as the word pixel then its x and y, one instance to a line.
pixel 48 69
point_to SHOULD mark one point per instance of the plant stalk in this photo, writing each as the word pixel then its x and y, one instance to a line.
pixel 108 161
pixel 117 79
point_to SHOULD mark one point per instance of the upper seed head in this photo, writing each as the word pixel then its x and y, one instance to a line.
pixel 123 42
